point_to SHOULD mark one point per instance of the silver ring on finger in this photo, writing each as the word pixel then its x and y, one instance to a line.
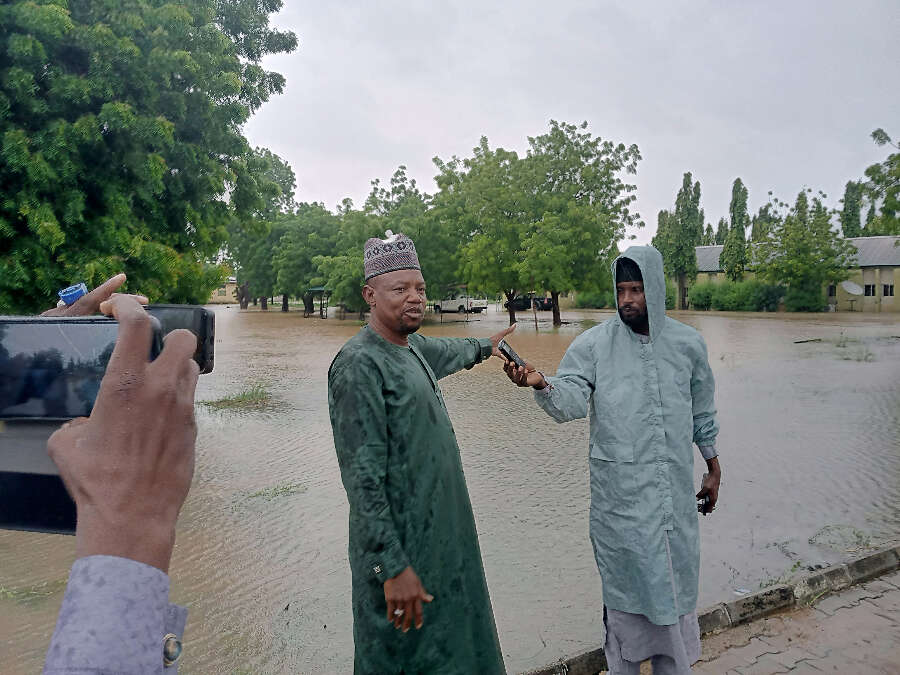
pixel 398 612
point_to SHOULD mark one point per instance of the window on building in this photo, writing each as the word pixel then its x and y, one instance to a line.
pixel 832 290
pixel 221 292
pixel 888 290
pixel 869 290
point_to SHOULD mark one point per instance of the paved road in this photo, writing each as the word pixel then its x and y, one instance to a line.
pixel 856 631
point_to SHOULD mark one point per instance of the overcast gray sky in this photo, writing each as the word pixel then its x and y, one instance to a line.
pixel 783 94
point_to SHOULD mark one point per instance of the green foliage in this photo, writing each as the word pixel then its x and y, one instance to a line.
pixel 804 253
pixel 734 253
pixel 764 221
pixel 595 300
pixel 671 293
pixel 751 295
pixel 709 237
pixel 700 295
pixel 883 191
pixel 679 232
pixel 548 221
pixel 721 231
pixel 850 213
pixel 120 139
pixel 804 297
pixel 344 277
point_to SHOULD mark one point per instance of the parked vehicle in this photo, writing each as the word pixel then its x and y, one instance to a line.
pixel 519 303
pixel 523 302
pixel 461 304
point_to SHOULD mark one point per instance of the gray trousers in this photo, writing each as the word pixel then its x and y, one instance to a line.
pixel 632 639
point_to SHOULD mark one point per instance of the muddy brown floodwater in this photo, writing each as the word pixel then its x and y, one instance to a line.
pixel 809 451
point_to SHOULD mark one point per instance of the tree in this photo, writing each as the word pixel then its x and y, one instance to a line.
pixel 850 213
pixel 883 190
pixel 580 209
pixel 310 232
pixel 709 237
pixel 496 207
pixel 764 220
pixel 267 194
pixel 721 231
pixel 734 253
pixel 678 235
pixel 120 139
pixel 803 252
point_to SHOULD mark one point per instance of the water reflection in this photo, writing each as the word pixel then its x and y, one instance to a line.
pixel 811 475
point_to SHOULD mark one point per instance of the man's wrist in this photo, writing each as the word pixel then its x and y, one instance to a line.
pixel 543 384
pixel 150 542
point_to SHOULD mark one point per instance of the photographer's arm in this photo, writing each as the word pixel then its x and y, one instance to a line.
pixel 128 468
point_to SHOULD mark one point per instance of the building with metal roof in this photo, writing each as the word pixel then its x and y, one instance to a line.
pixel 875 269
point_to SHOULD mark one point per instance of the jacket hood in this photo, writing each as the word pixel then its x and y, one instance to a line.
pixel 650 262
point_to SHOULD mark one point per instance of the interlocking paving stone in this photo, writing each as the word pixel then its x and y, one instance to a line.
pixel 856 631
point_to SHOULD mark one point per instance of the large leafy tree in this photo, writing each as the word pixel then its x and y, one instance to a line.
pixel 267 195
pixel 804 252
pixel 120 137
pixel 580 209
pixel 721 231
pixel 678 234
pixel 497 207
pixel 734 252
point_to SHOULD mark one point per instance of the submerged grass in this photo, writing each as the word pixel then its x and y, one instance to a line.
pixel 253 398
pixel 31 594
pixel 268 494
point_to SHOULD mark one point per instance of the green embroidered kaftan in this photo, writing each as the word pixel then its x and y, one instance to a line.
pixel 409 505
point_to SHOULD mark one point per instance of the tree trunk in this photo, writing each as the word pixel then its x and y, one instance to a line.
pixel 284 302
pixel 679 301
pixel 264 303
pixel 308 305
pixel 554 295
pixel 509 305
pixel 243 295
pixel 255 300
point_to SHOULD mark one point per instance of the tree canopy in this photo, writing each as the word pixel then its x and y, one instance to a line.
pixel 120 140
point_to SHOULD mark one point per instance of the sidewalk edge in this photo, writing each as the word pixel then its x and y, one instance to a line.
pixel 805 591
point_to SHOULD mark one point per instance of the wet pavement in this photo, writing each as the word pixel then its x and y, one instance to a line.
pixel 811 476
pixel 854 631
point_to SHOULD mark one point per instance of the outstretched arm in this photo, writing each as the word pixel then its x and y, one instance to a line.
pixel 446 356
pixel 565 396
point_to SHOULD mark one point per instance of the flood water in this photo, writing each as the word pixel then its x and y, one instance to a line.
pixel 808 447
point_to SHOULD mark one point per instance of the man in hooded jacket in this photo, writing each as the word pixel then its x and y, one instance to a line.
pixel 645 380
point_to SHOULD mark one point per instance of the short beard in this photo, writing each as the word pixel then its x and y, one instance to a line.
pixel 640 321
pixel 408 329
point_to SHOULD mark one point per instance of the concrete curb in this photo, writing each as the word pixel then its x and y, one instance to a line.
pixel 805 591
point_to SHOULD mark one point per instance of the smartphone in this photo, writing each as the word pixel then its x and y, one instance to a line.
pixel 703 504
pixel 510 353
pixel 50 372
pixel 199 320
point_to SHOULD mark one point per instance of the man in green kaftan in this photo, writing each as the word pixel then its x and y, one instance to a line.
pixel 644 379
pixel 414 554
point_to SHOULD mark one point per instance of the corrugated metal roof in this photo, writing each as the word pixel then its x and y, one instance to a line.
pixel 877 251
pixel 871 252
pixel 708 258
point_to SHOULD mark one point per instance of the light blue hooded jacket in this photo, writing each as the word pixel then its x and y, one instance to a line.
pixel 647 404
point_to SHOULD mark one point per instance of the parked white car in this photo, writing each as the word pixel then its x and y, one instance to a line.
pixel 461 304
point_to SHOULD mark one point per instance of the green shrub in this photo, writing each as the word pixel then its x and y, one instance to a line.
pixel 671 292
pixel 594 300
pixel 700 295
pixel 742 296
pixel 804 298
